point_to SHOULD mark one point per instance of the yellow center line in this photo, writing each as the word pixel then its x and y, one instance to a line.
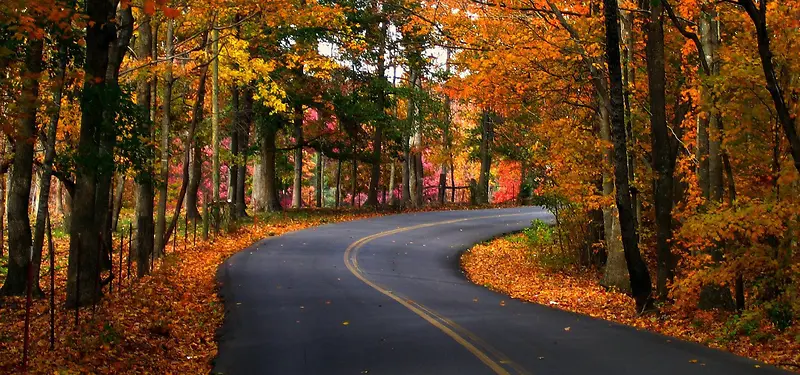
pixel 460 334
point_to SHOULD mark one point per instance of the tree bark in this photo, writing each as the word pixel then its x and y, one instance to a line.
pixel 272 202
pixel 233 170
pixel 616 273
pixel 244 140
pixel 145 227
pixel 353 180
pixel 487 138
pixel 84 246
pixel 297 187
pixel 166 119
pixel 640 276
pixel 338 197
pixel 19 228
pixel 119 191
pixel 663 162
pixel 318 180
pixel 215 168
pixel 196 175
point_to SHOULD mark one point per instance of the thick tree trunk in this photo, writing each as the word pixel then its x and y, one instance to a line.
pixel 166 102
pixel 616 271
pixel 297 187
pixel 145 227
pixel 272 201
pixel 19 227
pixel 84 246
pixel 663 159
pixel 640 276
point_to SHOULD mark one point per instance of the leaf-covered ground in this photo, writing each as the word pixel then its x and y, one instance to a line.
pixel 161 324
pixel 508 265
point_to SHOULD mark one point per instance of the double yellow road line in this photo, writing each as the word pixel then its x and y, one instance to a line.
pixel 494 359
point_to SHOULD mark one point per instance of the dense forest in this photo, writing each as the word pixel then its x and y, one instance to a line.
pixel 662 134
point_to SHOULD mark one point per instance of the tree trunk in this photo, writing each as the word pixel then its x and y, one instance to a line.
pixel 640 276
pixel 119 191
pixel 297 187
pixel 391 183
pixel 406 178
pixel 84 246
pixel 3 192
pixel 487 138
pixel 246 120
pixel 233 170
pixel 338 197
pixel 353 180
pixel 196 176
pixel 616 271
pixel 145 227
pixel 166 103
pixel 19 227
pixel 663 161
pixel 318 180
pixel 215 168
pixel 272 201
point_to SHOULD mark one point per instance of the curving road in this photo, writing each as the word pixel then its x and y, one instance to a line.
pixel 385 296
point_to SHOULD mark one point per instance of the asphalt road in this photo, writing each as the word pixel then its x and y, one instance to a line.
pixel 386 296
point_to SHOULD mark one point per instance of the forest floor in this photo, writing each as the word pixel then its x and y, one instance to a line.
pixel 509 265
pixel 163 323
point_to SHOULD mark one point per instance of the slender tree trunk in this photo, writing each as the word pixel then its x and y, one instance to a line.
pixel 353 180
pixel 406 178
pixel 297 188
pixel 3 192
pixel 785 118
pixel 215 130
pixel 338 198
pixel 318 180
pixel 196 175
pixel 119 191
pixel 391 183
pixel 244 140
pixel 166 102
pixel 145 227
pixel 487 138
pixel 233 170
pixel 640 276
pixel 19 227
